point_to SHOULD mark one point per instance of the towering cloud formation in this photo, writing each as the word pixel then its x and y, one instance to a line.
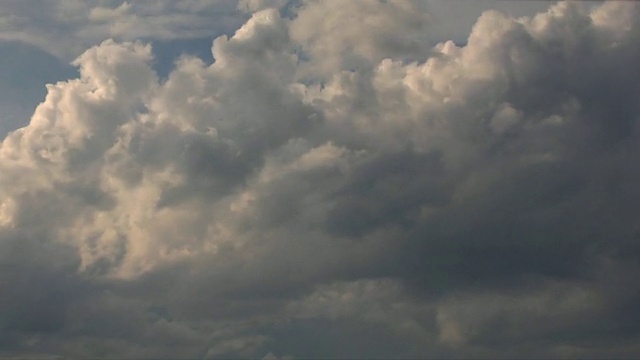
pixel 331 186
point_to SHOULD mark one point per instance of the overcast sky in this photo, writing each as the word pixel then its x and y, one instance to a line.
pixel 319 179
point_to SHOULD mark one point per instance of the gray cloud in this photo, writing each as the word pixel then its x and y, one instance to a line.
pixel 334 191
pixel 67 28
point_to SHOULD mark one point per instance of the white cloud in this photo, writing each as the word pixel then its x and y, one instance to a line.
pixel 374 181
pixel 359 34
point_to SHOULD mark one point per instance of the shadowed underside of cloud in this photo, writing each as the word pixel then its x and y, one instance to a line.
pixel 331 186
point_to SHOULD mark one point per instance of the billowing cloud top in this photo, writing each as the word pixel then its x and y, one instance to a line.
pixel 333 186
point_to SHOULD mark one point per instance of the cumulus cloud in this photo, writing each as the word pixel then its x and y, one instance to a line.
pixel 358 34
pixel 333 186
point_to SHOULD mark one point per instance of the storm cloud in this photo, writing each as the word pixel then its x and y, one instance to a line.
pixel 332 185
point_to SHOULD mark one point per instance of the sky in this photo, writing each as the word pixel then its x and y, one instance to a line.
pixel 289 179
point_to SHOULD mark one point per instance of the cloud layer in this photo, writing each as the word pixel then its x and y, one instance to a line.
pixel 333 186
pixel 67 28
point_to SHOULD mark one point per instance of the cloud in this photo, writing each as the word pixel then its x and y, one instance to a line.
pixel 24 71
pixel 333 191
pixel 359 34
pixel 67 28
